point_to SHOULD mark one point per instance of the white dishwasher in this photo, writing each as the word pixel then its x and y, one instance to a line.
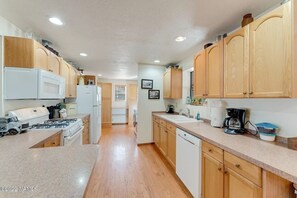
pixel 188 161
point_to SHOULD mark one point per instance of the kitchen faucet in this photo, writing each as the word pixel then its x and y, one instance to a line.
pixel 187 112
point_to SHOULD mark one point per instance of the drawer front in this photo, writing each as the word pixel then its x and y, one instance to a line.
pixel 156 119
pixel 163 123
pixel 213 151
pixel 170 127
pixel 244 168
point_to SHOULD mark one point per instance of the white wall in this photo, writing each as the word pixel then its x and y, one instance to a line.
pixel 146 106
pixel 9 29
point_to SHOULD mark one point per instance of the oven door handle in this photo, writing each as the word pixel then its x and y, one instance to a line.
pixel 79 131
pixel 69 140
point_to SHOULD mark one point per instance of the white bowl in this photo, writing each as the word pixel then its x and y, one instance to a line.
pixel 267 137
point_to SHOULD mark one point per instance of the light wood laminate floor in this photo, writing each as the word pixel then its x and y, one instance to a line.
pixel 124 169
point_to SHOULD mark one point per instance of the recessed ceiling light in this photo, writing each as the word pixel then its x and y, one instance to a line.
pixel 99 75
pixel 180 39
pixel 83 54
pixel 157 61
pixel 55 21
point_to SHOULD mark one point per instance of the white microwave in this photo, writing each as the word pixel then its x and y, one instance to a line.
pixel 27 83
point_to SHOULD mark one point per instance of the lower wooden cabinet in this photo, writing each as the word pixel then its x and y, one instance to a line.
pixel 165 139
pixel 212 177
pixel 156 129
pixel 86 131
pixel 53 141
pixel 238 186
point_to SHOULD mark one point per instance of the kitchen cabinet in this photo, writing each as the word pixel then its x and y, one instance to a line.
pixel 236 64
pixel 86 130
pixel 72 82
pixel 271 54
pixel 53 141
pixel 200 75
pixel 54 63
pixel 238 186
pixel 106 90
pixel 156 131
pixel 208 72
pixel 171 144
pixel 64 72
pixel 25 53
pixel 163 140
pixel 212 171
pixel 172 83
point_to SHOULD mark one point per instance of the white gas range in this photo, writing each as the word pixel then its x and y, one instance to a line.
pixel 38 119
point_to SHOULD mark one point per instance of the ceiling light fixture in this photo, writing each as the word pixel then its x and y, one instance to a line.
pixel 180 38
pixel 83 54
pixel 55 21
pixel 157 61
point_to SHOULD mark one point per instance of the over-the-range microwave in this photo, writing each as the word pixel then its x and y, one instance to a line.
pixel 31 83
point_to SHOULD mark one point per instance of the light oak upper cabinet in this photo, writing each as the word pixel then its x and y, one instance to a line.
pixel 54 63
pixel 199 75
pixel 172 84
pixel 64 72
pixel 236 63
pixel 208 72
pixel 214 70
pixel 271 54
pixel 24 53
pixel 72 82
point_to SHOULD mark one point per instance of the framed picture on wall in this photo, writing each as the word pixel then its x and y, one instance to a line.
pixel 154 94
pixel 146 84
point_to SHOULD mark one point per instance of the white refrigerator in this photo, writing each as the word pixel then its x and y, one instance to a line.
pixel 89 102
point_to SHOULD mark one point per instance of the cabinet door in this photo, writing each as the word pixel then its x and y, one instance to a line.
pixel 236 64
pixel 72 81
pixel 214 70
pixel 271 54
pixel 156 129
pixel 166 84
pixel 212 177
pixel 40 56
pixel 163 140
pixel 171 151
pixel 199 75
pixel 54 64
pixel 238 186
pixel 64 72
pixel 106 103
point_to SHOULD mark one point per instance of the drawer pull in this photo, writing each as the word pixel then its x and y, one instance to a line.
pixel 244 93
pixel 209 150
pixel 237 165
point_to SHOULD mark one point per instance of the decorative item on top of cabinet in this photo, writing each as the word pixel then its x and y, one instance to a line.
pixel 172 83
pixel 236 64
pixel 247 19
pixel 271 54
pixel 208 71
pixel 25 53
pixel 86 131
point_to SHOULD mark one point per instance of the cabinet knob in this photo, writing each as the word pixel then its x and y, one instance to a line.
pixel 244 93
pixel 251 93
pixel 219 169
pixel 209 150
pixel 237 165
pixel 225 172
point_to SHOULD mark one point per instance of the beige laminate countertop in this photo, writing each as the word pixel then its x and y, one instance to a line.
pixel 47 172
pixel 276 159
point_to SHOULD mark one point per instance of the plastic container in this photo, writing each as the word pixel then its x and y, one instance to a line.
pixel 267 136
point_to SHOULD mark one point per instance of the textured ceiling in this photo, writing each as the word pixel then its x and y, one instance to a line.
pixel 119 34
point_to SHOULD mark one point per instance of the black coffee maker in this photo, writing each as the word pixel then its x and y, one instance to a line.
pixel 234 123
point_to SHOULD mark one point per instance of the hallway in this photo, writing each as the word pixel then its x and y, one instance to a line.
pixel 124 169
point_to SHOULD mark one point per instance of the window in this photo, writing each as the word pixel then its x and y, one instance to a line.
pixel 120 93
